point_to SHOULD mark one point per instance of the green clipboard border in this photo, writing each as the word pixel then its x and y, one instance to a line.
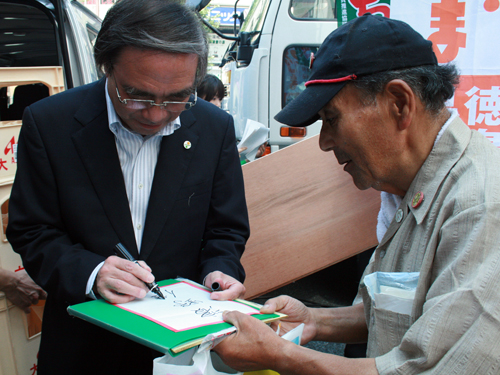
pixel 147 332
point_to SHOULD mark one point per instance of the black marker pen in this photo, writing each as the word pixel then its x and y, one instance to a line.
pixel 215 287
pixel 120 250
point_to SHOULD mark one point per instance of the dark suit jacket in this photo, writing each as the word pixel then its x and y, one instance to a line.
pixel 69 208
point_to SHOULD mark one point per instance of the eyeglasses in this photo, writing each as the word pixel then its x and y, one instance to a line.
pixel 137 104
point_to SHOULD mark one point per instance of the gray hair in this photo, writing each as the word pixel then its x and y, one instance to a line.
pixel 433 84
pixel 159 25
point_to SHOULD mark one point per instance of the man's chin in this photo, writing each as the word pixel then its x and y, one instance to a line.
pixel 361 186
pixel 360 183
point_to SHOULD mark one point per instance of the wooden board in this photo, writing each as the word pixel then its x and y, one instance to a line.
pixel 305 215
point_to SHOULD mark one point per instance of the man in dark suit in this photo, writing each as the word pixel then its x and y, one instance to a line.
pixel 134 159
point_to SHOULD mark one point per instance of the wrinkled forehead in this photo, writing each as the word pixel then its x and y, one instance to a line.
pixel 335 106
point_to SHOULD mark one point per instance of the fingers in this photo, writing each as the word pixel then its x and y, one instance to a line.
pixel 34 297
pixel 261 150
pixel 254 346
pixel 26 310
pixel 116 290
pixel 35 291
pixel 275 305
pixel 233 292
pixel 230 288
pixel 141 273
pixel 120 280
pixel 37 294
pixel 42 294
pixel 24 303
pixel 233 317
pixel 244 322
pixel 24 291
pixel 20 299
pixel 144 265
pixel 213 277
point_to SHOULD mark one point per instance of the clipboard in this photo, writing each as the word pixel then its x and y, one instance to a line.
pixel 149 333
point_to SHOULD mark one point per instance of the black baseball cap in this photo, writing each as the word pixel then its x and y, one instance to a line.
pixel 366 45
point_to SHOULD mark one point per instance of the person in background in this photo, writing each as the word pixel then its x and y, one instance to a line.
pixel 136 159
pixel 211 89
pixel 20 289
pixel 377 87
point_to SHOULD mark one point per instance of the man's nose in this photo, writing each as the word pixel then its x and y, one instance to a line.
pixel 326 142
pixel 155 114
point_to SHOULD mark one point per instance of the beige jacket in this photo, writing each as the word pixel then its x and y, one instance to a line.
pixel 453 239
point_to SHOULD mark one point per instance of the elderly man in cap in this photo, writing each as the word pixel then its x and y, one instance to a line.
pixel 376 85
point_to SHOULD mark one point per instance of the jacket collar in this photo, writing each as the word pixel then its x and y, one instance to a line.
pixel 96 145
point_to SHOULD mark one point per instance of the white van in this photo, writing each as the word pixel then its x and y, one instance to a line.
pixel 268 65
pixel 46 46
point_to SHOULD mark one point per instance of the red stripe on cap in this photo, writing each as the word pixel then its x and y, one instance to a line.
pixel 334 80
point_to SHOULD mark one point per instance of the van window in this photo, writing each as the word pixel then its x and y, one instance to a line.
pixel 295 71
pixel 28 36
pixel 84 28
pixel 256 16
pixel 313 9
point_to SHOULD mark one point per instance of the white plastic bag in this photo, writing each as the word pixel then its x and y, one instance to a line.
pixel 202 361
pixel 192 362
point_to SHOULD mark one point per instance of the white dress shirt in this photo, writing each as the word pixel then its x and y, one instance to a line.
pixel 138 156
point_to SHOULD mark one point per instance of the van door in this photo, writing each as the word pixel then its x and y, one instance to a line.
pixel 300 28
pixel 50 33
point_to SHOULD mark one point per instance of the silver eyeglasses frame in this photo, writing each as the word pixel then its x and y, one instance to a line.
pixel 151 103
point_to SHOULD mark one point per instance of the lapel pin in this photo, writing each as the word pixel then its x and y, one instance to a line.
pixel 417 199
pixel 187 145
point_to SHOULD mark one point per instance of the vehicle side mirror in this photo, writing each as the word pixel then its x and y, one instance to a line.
pixel 197 5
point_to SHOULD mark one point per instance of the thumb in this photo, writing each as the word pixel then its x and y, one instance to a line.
pixel 232 317
pixel 273 305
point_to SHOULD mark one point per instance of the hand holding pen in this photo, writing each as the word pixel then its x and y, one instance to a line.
pixel 121 281
pixel 152 286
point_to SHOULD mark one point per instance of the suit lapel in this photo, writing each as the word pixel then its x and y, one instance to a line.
pixel 96 146
pixel 173 162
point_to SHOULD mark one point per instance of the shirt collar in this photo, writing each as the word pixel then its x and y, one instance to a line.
pixel 453 114
pixel 115 122
pixel 448 148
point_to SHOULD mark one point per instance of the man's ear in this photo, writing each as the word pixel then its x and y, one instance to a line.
pixel 402 101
